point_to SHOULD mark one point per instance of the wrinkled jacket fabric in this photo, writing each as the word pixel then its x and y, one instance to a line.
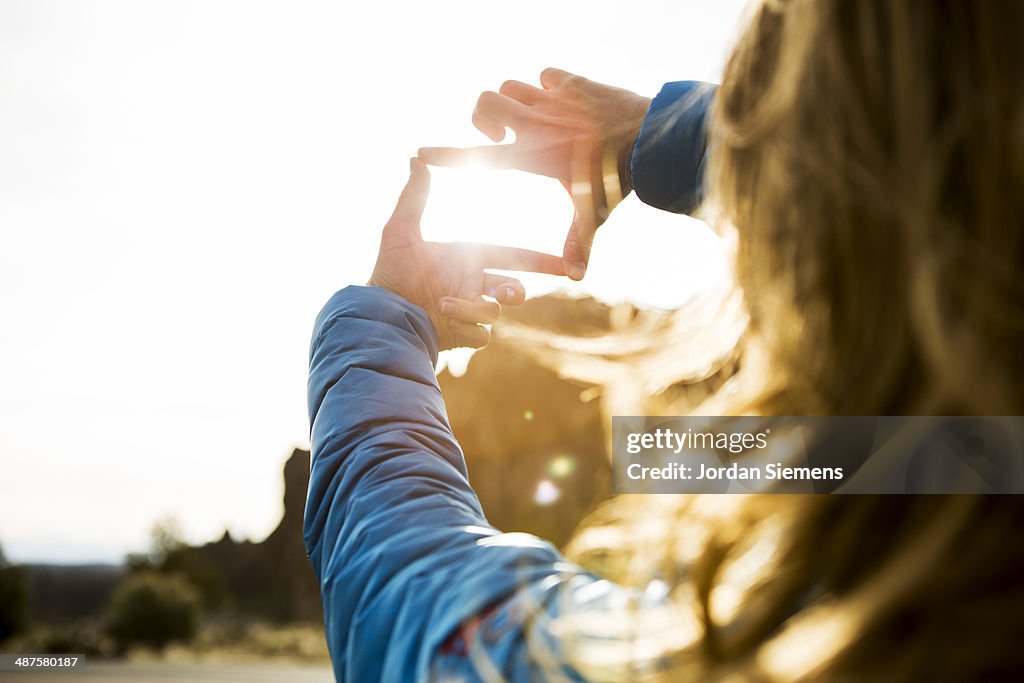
pixel 416 584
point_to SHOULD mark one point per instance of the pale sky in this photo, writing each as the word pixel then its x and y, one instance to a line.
pixel 184 184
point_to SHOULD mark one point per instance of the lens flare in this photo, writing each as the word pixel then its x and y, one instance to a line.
pixel 546 493
pixel 561 466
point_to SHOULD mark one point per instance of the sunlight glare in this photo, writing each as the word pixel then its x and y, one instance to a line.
pixel 510 208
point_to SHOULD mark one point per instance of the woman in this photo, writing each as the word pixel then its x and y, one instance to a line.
pixel 869 155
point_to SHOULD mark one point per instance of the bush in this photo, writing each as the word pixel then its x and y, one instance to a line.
pixel 81 638
pixel 13 602
pixel 153 610
pixel 13 599
pixel 204 576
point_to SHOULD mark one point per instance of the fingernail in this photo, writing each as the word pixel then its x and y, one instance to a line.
pixel 448 308
pixel 509 293
pixel 576 271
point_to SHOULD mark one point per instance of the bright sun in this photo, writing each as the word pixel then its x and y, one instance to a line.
pixel 641 255
pixel 512 208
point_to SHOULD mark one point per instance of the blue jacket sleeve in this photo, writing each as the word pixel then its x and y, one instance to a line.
pixel 396 536
pixel 667 166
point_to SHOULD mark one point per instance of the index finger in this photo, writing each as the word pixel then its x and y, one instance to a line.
pixel 552 78
pixel 413 200
pixel 492 156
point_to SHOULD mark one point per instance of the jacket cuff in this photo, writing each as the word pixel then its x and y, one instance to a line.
pixel 667 164
pixel 380 305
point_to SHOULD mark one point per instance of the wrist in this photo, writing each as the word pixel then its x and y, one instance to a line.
pixel 616 157
pixel 376 280
pixel 611 177
pixel 437 321
pixel 625 159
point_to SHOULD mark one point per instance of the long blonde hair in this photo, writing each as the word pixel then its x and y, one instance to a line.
pixel 870 156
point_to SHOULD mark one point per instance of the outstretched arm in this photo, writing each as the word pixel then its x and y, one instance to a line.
pixel 403 553
pixel 401 548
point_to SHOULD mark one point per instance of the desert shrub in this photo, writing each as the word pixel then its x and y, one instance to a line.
pixel 13 599
pixel 13 602
pixel 152 610
pixel 206 577
pixel 85 637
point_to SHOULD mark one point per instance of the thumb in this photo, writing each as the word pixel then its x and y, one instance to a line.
pixel 409 209
pixel 576 252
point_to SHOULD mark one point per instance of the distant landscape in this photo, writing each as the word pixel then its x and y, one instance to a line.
pixel 532 428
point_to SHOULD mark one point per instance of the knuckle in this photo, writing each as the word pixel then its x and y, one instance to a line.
pixel 487 98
